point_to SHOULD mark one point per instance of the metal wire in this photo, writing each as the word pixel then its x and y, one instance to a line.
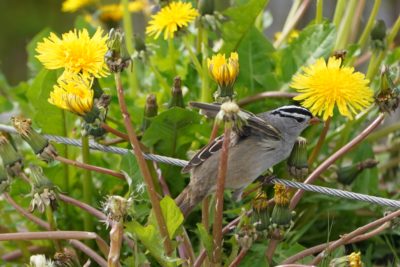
pixel 181 163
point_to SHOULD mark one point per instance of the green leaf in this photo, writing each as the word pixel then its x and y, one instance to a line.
pixel 34 65
pixel 172 215
pixel 241 20
pixel 45 115
pixel 172 131
pixel 315 41
pixel 205 238
pixel 132 174
pixel 151 239
pixel 255 58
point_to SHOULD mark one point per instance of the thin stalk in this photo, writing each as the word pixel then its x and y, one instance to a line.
pixel 143 167
pixel 261 96
pixel 116 234
pixel 368 27
pixel 53 226
pixel 109 129
pixel 356 22
pixel 345 27
pixel 171 54
pixel 340 5
pixel 65 152
pixel 206 94
pixel 330 160
pixel 18 253
pixel 90 167
pixel 321 140
pixel 292 23
pixel 200 32
pixel 361 230
pixel 239 258
pixel 319 9
pixel 48 235
pixel 89 252
pixel 316 249
pixel 292 11
pixel 129 41
pixel 87 184
pixel 219 196
pixel 193 57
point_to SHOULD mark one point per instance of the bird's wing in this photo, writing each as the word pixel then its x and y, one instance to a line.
pixel 254 124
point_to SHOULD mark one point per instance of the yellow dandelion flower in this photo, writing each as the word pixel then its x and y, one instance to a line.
pixel 355 259
pixel 280 195
pixel 73 92
pixel 323 86
pixel 114 12
pixel 223 71
pixel 171 18
pixel 74 5
pixel 76 52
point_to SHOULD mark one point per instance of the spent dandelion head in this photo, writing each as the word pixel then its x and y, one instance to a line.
pixel 170 19
pixel 73 92
pixel 74 5
pixel 323 86
pixel 76 51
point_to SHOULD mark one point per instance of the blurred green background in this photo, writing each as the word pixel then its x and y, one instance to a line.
pixel 20 20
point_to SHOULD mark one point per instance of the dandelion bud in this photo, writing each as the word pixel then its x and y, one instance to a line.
pixel 260 216
pixel 93 119
pixel 177 97
pixel 66 258
pixel 115 57
pixel 150 111
pixel 387 98
pixel 281 215
pixel 352 260
pixel 40 145
pixel 224 72
pixel 378 35
pixel 346 175
pixel 11 160
pixel 44 192
pixel 297 161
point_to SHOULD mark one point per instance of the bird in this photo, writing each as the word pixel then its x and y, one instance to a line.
pixel 262 142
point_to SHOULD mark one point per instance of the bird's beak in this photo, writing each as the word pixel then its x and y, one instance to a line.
pixel 314 120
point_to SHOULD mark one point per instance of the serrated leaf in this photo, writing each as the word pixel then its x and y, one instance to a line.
pixel 172 131
pixel 255 58
pixel 34 65
pixel 205 238
pixel 315 41
pixel 132 173
pixel 172 215
pixel 241 20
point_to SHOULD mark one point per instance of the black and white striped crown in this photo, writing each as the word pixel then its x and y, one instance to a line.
pixel 300 114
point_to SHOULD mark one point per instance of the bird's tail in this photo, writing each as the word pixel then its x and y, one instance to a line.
pixel 187 200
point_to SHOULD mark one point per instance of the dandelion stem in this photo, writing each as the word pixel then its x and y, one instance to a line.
pixel 143 167
pixel 320 8
pixel 219 196
pixel 87 183
pixel 347 237
pixel 205 79
pixel 345 27
pixel 90 167
pixel 193 57
pixel 239 258
pixel 368 28
pixel 321 140
pixel 114 131
pixel 116 234
pixel 260 96
pixel 65 151
pixel 53 226
pixel 340 5
pixel 129 41
pixel 172 55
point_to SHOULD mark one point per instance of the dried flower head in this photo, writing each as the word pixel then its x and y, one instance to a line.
pixel 323 86
pixel 170 19
pixel 76 51
pixel 39 260
pixel 116 208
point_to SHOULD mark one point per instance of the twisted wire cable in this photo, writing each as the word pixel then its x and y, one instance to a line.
pixel 181 163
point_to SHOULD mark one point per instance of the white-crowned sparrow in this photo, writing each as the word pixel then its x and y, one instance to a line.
pixel 265 140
